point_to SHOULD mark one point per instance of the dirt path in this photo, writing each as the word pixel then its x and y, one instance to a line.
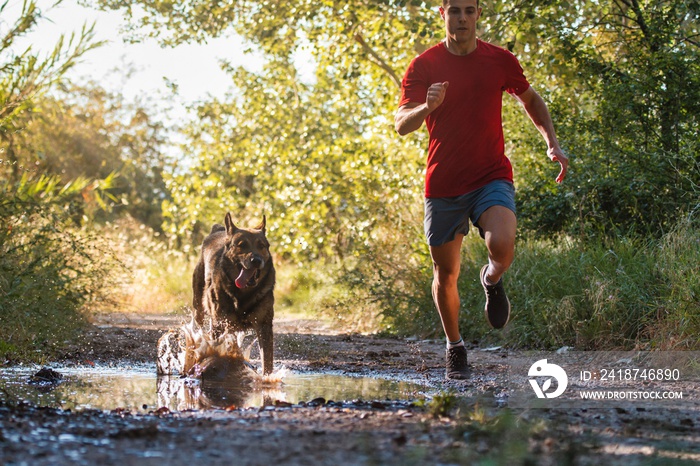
pixel 474 427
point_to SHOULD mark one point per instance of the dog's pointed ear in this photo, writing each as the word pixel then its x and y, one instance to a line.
pixel 231 228
pixel 262 225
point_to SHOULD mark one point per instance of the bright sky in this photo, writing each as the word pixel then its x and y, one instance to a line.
pixel 194 68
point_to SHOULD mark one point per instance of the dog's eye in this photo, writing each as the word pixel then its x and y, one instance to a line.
pixel 262 245
pixel 242 244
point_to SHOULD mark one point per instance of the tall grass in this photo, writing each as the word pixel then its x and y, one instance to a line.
pixel 155 278
pixel 57 268
pixel 595 294
pixel 51 269
pixel 589 294
pixel 390 284
pixel 601 295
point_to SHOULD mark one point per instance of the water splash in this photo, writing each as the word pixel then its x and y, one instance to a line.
pixel 190 351
pixel 212 372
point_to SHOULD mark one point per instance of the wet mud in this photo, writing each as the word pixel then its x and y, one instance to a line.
pixel 449 422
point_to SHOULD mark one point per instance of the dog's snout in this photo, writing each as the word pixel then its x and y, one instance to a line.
pixel 257 261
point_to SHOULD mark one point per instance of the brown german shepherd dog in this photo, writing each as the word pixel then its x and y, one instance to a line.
pixel 233 284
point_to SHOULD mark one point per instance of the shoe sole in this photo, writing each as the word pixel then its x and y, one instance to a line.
pixel 458 376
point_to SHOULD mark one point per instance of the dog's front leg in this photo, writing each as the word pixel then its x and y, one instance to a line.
pixel 265 340
pixel 220 309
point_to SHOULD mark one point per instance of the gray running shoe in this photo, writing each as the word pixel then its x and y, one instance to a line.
pixel 457 363
pixel 497 308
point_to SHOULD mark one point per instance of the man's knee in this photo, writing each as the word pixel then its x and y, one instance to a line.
pixel 499 225
pixel 446 260
pixel 445 277
pixel 501 244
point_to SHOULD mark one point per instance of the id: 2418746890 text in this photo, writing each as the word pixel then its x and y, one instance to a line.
pixel 643 375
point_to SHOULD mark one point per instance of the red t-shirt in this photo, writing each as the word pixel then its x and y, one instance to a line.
pixel 466 149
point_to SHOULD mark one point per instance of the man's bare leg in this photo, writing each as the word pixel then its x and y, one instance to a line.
pixel 499 225
pixel 446 264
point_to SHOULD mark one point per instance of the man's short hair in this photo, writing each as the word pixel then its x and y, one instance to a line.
pixel 444 3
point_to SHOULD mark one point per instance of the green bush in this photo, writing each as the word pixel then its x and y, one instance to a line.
pixel 590 294
pixel 51 269
pixel 596 294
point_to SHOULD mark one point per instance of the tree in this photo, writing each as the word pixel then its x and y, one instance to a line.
pixel 306 151
pixel 86 131
pixel 320 156
pixel 26 76
pixel 623 78
pixel 325 187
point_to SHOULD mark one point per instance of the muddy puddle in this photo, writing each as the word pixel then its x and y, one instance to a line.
pixel 138 388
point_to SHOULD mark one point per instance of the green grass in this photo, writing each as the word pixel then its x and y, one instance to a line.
pixel 50 272
pixel 155 279
pixel 592 293
pixel 627 293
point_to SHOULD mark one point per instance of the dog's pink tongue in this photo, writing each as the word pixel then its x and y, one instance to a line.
pixel 242 280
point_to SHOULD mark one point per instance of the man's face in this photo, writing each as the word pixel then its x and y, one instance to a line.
pixel 460 18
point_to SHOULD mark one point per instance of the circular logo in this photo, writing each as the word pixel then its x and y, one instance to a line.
pixel 546 372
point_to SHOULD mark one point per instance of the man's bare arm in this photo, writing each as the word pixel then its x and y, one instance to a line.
pixel 410 117
pixel 537 110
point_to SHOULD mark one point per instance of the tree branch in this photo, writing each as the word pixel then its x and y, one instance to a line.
pixel 691 41
pixel 377 59
pixel 643 24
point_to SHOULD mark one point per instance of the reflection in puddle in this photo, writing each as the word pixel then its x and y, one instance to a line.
pixel 139 388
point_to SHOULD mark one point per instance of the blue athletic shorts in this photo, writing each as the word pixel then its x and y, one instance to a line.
pixel 445 217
